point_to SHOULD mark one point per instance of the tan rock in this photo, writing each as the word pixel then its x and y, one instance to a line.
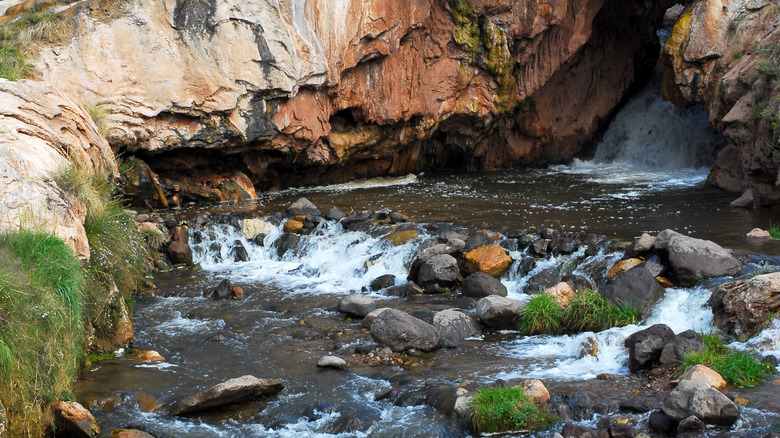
pixel 147 403
pixel 147 355
pixel 43 131
pixel 293 226
pixel 711 376
pixel 490 259
pixel 129 433
pixel 238 292
pixel 663 281
pixel 622 266
pixel 74 420
pixel 561 293
pixel 589 347
pixel 536 391
pixel 401 237
pixel 758 233
pixel 252 227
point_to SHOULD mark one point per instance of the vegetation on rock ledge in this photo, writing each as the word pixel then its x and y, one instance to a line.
pixel 737 367
pixel 588 311
pixel 502 409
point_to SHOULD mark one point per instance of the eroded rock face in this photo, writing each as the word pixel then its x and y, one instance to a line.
pixel 287 93
pixel 742 307
pixel 718 55
pixel 43 131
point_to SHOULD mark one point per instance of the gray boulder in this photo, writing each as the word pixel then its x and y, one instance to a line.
pixel 441 270
pixel 644 244
pixel 401 331
pixel 369 319
pixel 303 206
pixel 356 305
pixel 454 326
pixel 543 280
pixel 742 307
pixel 333 362
pixel 636 286
pixel 693 260
pixel 480 285
pixel 383 282
pixel 499 312
pixel 477 240
pixel 682 344
pixel 335 214
pixel 645 346
pixel 224 290
pixel 696 397
pixel 240 389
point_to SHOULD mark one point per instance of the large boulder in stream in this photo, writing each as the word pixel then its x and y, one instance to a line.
pixel 500 313
pixel 636 286
pixel 645 346
pixel 240 389
pixel 480 285
pixel 453 327
pixel 693 260
pixel 742 307
pixel 490 259
pixel 439 270
pixel 695 397
pixel 401 331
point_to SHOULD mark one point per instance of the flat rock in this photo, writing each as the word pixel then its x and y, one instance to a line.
pixel 240 389
pixel 401 331
pixel 332 362
pixel 357 305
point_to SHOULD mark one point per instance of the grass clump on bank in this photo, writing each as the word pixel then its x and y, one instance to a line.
pixel 19 38
pixel 774 230
pixel 502 409
pixel 41 326
pixel 588 311
pixel 736 367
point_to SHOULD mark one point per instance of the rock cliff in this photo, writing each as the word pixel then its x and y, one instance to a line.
pixel 43 131
pixel 726 56
pixel 221 96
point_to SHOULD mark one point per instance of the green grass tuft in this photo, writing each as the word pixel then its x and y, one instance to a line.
pixel 774 230
pixel 19 39
pixel 503 409
pixel 590 311
pixel 99 116
pixel 542 315
pixel 736 367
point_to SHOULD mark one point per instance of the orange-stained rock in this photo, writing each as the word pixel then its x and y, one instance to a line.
pixel 711 376
pixel 238 292
pixel 72 419
pixel 663 281
pixel 622 266
pixel 758 233
pixel 536 391
pixel 147 355
pixel 490 259
pixel 561 293
pixel 147 403
pixel 293 226
pixel 401 237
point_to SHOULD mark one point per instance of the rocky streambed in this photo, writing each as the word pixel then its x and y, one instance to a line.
pixel 451 295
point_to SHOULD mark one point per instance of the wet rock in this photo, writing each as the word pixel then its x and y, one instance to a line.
pixel 240 389
pixel 356 305
pixel 636 286
pixel 589 347
pixel 693 260
pixel 333 362
pixel 618 427
pixel 577 282
pixel 455 326
pixel 490 259
pixel 293 226
pixel 477 240
pixel 654 265
pixel 542 280
pixel 480 285
pixel 711 376
pixel 303 207
pixel 536 391
pixel 758 234
pixel 250 228
pixel 622 266
pixel 237 292
pixel 383 282
pixel 73 420
pixel 645 244
pixel 345 424
pixel 569 245
pixel 401 331
pixel 645 346
pixel 170 221
pixel 572 430
pixel 697 397
pixel 682 344
pixel 178 248
pixel 742 307
pixel 690 424
pixel 146 355
pixel 401 237
pixel 642 403
pixel 500 313
pixel 397 218
pixel 540 247
pixel 222 291
pixel 413 289
pixel 130 433
pixel 396 291
pixel 335 214
pixel 439 270
pixel 238 252
pixel 366 348
pixel 660 422
pixel 561 293
pixel 286 243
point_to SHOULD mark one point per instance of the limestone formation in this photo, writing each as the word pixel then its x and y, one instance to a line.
pixel 234 92
pixel 42 132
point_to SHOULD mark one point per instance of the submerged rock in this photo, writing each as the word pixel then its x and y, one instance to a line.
pixel 401 331
pixel 240 389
